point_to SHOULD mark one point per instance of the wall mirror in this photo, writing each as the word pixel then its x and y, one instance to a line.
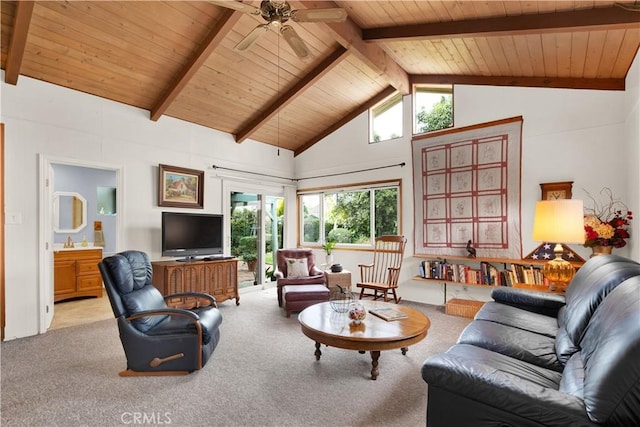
pixel 69 212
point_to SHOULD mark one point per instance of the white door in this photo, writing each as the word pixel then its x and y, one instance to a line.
pixel 46 245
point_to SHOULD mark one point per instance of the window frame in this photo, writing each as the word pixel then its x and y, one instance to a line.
pixel 445 89
pixel 322 191
pixel 381 107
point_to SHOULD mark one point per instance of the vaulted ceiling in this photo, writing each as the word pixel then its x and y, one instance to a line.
pixel 177 58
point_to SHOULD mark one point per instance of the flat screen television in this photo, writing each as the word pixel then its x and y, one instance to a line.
pixel 192 235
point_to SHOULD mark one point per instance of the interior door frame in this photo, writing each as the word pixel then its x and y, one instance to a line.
pixel 45 235
pixel 2 225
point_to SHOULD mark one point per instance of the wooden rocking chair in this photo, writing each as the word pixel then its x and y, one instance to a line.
pixel 382 275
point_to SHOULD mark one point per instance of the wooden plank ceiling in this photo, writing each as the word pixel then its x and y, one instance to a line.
pixel 176 58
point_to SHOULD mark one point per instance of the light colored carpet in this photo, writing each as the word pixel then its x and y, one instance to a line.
pixel 263 373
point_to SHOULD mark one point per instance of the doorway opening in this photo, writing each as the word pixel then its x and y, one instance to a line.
pixel 88 179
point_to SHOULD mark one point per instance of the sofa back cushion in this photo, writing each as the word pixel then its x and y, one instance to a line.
pixel 593 282
pixel 610 352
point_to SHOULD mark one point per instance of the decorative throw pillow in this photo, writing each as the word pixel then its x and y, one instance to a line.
pixel 297 267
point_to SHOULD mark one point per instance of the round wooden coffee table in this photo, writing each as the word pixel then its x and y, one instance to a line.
pixel 325 326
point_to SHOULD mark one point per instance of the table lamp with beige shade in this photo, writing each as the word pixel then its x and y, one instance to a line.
pixel 559 221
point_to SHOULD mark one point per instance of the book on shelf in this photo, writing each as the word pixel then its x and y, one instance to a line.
pixel 388 313
pixel 486 274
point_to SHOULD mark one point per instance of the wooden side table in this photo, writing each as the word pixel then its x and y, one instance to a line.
pixel 334 279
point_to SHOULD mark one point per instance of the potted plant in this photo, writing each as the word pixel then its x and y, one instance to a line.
pixel 328 249
pixel 249 251
pixel 270 274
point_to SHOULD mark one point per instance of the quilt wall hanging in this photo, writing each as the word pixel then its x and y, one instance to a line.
pixel 467 188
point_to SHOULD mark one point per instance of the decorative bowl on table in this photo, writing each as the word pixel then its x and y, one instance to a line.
pixel 340 299
pixel 357 312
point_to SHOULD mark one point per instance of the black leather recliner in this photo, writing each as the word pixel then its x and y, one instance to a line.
pixel 157 339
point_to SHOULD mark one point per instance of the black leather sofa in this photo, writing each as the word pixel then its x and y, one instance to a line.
pixel 538 359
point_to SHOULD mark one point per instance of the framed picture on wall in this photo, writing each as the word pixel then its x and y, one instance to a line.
pixel 556 190
pixel 180 187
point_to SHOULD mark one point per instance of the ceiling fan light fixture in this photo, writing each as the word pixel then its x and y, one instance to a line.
pixel 295 42
pixel 277 13
pixel 278 4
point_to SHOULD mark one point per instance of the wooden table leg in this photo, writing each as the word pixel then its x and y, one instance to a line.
pixel 318 353
pixel 375 355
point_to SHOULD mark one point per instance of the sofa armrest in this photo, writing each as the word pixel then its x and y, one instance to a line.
pixel 315 271
pixel 538 302
pixel 478 381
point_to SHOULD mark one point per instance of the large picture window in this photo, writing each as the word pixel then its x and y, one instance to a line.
pixel 351 216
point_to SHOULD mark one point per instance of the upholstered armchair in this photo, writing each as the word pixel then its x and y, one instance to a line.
pixel 157 339
pixel 296 267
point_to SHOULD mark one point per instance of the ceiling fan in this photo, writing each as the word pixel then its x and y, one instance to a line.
pixel 276 13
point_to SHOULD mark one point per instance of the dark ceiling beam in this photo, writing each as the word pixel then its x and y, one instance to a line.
pixel 298 89
pixel 209 44
pixel 19 33
pixel 346 119
pixel 349 35
pixel 549 82
pixel 583 20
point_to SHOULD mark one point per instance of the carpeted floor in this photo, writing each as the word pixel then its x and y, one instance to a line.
pixel 263 373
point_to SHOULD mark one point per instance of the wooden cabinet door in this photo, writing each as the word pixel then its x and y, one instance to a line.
pixel 214 274
pixel 174 284
pixel 193 281
pixel 222 280
pixel 64 278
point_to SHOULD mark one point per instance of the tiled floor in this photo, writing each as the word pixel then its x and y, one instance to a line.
pixel 81 311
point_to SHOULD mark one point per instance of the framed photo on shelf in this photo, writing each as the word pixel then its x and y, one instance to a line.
pixel 180 187
pixel 556 190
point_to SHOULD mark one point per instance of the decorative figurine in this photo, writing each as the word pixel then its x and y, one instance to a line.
pixel 471 250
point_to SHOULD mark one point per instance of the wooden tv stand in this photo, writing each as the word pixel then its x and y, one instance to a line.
pixel 217 277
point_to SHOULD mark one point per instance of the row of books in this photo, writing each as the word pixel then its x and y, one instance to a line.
pixel 487 274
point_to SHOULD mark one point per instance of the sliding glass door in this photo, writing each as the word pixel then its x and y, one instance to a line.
pixel 256 230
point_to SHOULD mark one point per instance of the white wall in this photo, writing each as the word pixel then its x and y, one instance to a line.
pixel 577 135
pixel 632 150
pixel 45 119
pixel 588 137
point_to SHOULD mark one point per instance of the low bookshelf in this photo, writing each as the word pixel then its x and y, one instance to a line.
pixel 483 272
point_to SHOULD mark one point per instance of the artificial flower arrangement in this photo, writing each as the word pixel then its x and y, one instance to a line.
pixel 605 224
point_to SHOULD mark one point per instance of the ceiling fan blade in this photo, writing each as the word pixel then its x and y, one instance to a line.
pixel 336 14
pixel 236 5
pixel 251 38
pixel 297 45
